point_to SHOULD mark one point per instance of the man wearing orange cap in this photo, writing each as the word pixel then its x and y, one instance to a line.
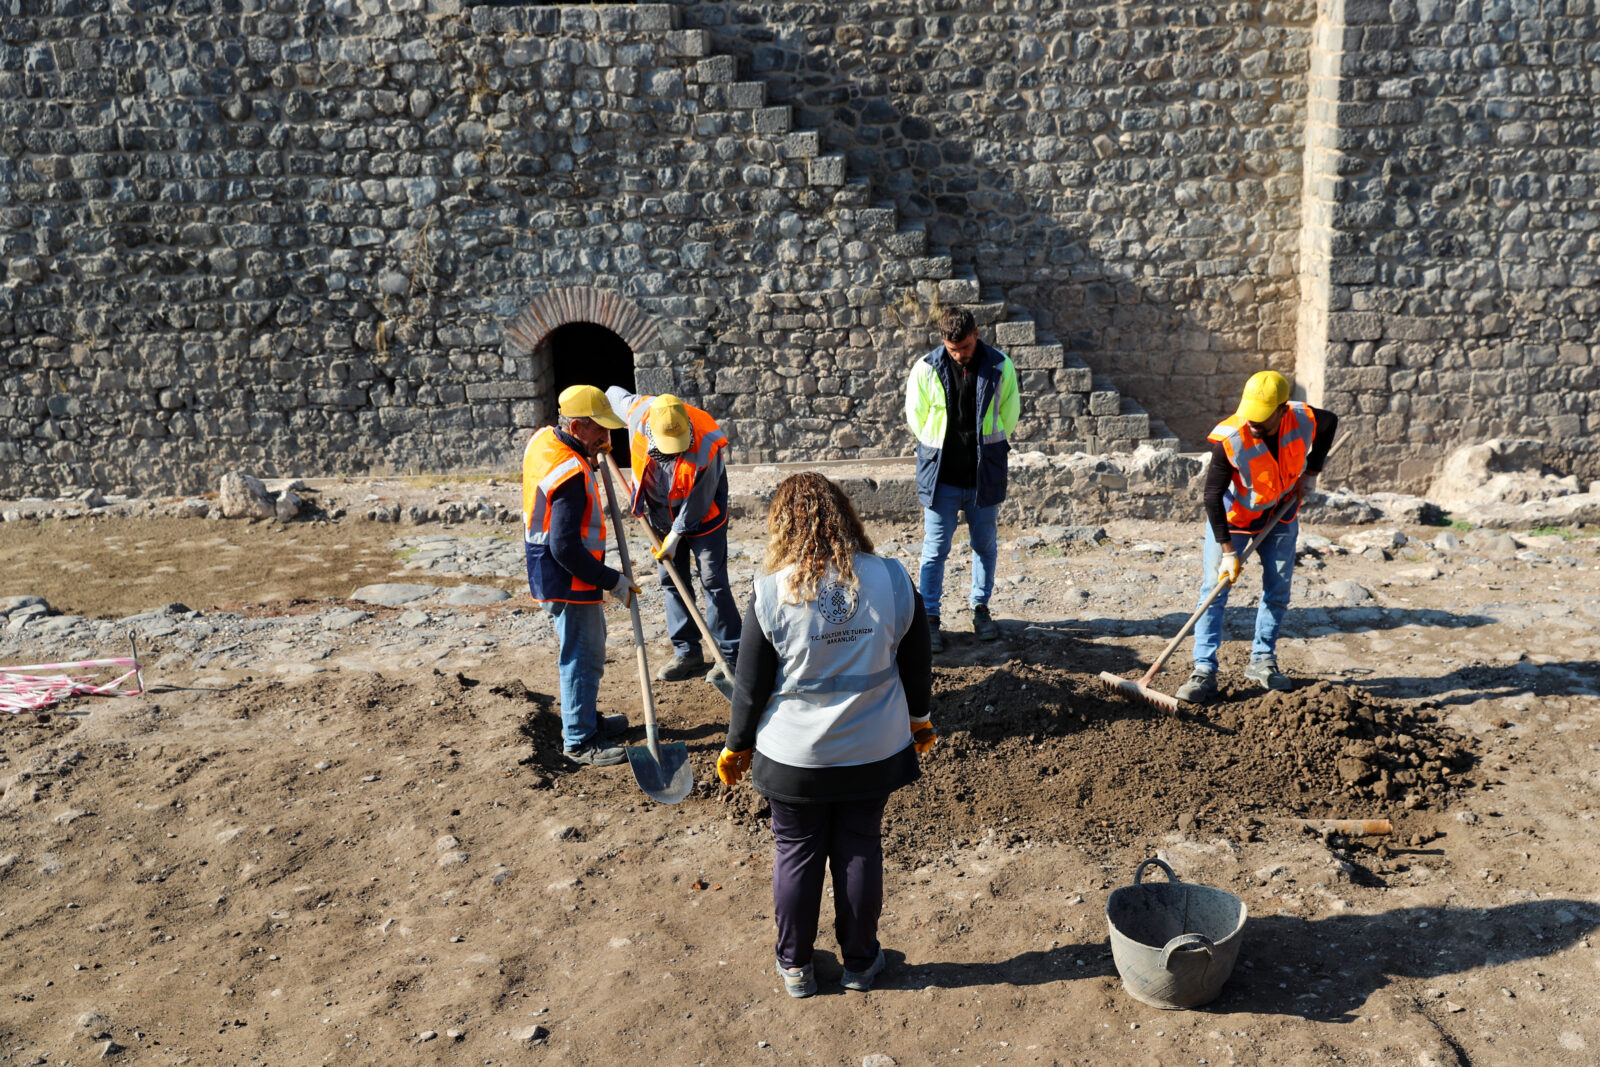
pixel 1271 448
pixel 564 541
pixel 680 486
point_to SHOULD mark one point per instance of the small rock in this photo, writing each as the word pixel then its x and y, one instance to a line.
pixel 94 1024
pixel 532 1035
pixel 1452 1007
pixel 287 507
pixel 427 1035
pixel 455 1035
pixel 111 1048
pixel 453 859
pixel 242 496
pixel 878 1059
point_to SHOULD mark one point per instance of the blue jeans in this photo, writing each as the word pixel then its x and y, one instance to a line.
pixel 1277 572
pixel 710 551
pixel 581 633
pixel 939 526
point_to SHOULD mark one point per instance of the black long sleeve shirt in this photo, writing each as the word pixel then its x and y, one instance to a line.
pixel 1220 473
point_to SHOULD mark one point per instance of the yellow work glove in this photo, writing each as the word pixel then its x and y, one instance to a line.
pixel 624 593
pixel 731 766
pixel 1228 570
pixel 922 736
pixel 668 546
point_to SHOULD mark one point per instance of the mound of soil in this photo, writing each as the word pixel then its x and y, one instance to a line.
pixel 1033 752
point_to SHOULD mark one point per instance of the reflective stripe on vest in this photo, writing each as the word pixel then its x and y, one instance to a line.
pixel 1260 479
pixel 549 462
pixel 837 700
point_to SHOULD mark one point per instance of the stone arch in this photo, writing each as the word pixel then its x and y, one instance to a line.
pixel 529 340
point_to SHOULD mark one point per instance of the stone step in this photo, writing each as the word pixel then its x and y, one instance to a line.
pixel 715 70
pixel 1015 332
pixel 801 144
pixel 747 94
pixel 1037 357
pixel 908 242
pixel 774 121
pixel 683 44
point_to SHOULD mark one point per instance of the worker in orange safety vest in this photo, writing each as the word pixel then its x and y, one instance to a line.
pixel 680 481
pixel 1270 449
pixel 564 541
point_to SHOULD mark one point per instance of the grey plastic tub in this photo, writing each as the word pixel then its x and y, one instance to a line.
pixel 1174 943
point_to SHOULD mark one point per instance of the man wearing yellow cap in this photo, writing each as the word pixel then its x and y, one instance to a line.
pixel 564 541
pixel 1271 448
pixel 680 486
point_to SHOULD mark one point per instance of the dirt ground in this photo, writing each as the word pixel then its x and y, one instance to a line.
pixel 342 842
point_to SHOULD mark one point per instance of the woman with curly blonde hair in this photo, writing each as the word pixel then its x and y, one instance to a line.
pixel 830 709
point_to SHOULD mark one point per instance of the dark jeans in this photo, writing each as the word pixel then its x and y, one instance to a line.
pixel 848 837
pixel 710 551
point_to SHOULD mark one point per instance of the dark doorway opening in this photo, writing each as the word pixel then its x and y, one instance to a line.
pixel 583 353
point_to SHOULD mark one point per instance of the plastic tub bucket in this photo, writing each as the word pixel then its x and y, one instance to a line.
pixel 1174 943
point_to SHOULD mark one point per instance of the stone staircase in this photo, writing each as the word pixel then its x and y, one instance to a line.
pixel 1069 408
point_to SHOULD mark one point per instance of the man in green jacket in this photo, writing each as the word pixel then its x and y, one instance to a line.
pixel 961 403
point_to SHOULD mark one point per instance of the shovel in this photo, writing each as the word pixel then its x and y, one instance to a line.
pixel 662 771
pixel 688 602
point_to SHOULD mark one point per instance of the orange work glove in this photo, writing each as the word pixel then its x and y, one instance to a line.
pixel 731 766
pixel 922 736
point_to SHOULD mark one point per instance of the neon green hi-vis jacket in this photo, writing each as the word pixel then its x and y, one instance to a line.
pixel 999 406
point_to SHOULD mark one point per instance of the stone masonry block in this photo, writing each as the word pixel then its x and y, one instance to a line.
pixel 513 390
pixel 772 121
pixel 654 380
pixel 877 220
pixel 958 291
pixel 1126 426
pixel 747 94
pixel 1104 403
pixel 716 69
pixel 802 144
pixel 907 243
pixel 1007 334
pixel 1043 357
pixel 687 43
pixel 986 315
pixel 654 16
pixel 826 170
pixel 1355 326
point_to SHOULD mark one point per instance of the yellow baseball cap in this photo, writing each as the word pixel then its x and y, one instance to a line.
pixel 1262 394
pixel 587 402
pixel 669 425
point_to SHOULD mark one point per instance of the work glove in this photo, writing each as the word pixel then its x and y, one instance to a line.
pixel 668 546
pixel 922 736
pixel 1228 570
pixel 625 593
pixel 1308 485
pixel 731 766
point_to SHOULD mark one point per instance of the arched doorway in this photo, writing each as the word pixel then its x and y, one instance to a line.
pixel 584 353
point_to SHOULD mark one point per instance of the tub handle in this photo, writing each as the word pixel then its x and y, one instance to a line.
pixel 1187 943
pixel 1138 871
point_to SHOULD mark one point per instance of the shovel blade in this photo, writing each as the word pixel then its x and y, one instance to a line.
pixel 667 780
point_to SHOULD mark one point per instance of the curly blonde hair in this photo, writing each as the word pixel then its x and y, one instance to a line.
pixel 811 524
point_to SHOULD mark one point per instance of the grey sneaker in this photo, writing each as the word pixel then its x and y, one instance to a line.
pixel 1264 672
pixel 681 668
pixel 613 725
pixel 862 980
pixel 935 638
pixel 983 626
pixel 596 753
pixel 1201 688
pixel 797 981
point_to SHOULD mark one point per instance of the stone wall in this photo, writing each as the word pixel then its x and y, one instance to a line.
pixel 1458 211
pixel 334 236
pixel 1128 173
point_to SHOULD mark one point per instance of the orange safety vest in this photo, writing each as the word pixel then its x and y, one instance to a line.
pixel 708 443
pixel 547 463
pixel 1259 479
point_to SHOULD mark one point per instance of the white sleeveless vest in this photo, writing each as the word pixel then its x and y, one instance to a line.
pixel 838 701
